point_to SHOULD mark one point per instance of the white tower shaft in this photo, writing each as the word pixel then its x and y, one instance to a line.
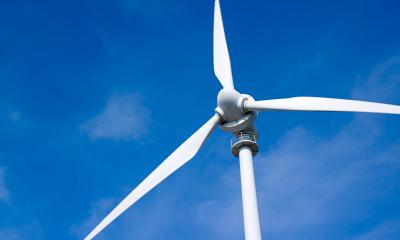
pixel 249 195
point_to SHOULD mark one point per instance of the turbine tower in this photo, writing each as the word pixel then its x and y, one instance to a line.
pixel 236 113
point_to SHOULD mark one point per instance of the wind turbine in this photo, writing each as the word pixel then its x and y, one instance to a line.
pixel 236 113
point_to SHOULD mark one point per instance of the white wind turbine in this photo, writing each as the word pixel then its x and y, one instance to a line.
pixel 236 113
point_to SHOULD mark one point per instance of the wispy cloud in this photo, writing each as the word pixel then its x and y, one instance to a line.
pixel 32 230
pixel 10 234
pixel 4 192
pixel 309 186
pixel 382 84
pixel 123 117
pixel 307 183
pixel 386 230
pixel 16 115
pixel 96 213
pixel 152 222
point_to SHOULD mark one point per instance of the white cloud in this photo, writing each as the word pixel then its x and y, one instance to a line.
pixel 123 117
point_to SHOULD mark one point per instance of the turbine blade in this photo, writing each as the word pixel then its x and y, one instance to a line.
pixel 222 63
pixel 321 104
pixel 177 159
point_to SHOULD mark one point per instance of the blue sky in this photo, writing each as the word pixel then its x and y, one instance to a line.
pixel 95 94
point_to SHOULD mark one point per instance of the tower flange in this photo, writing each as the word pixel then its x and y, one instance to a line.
pixel 247 137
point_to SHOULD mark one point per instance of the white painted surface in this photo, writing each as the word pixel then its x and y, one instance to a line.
pixel 249 195
pixel 222 62
pixel 177 159
pixel 321 104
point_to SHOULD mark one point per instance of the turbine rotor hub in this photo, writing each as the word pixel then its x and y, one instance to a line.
pixel 230 103
pixel 231 110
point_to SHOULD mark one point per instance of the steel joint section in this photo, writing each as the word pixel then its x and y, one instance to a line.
pixel 244 138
